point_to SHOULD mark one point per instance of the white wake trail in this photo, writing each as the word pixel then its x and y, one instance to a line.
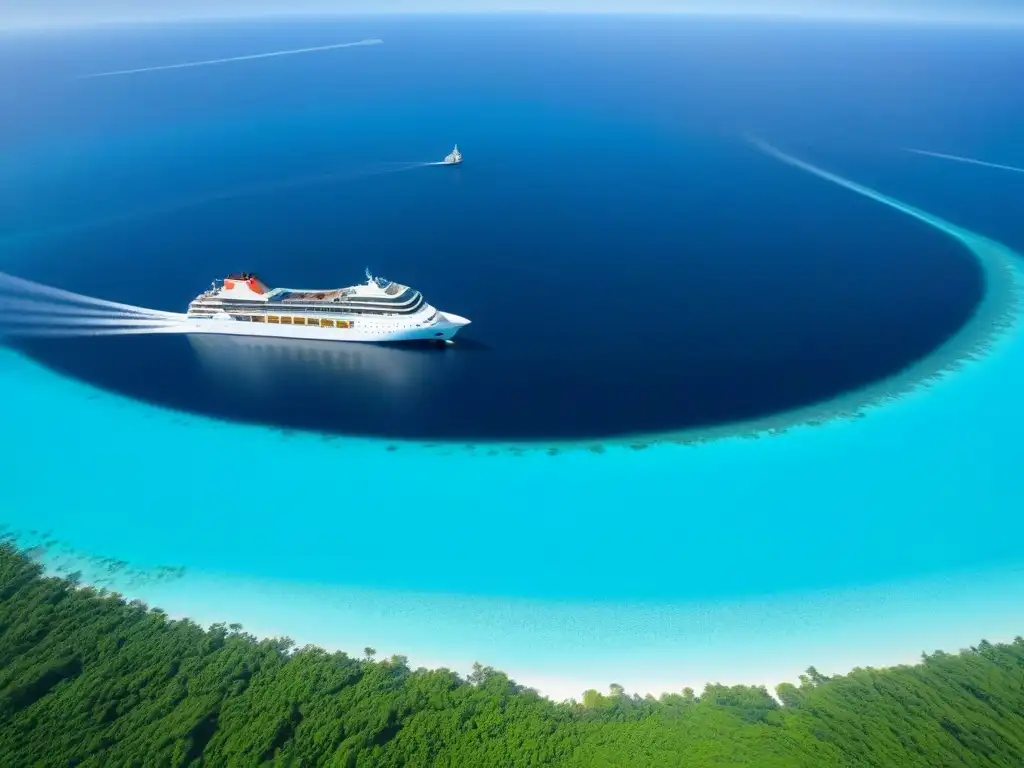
pixel 22 318
pixel 969 160
pixel 231 193
pixel 48 308
pixel 250 57
pixel 308 181
pixel 31 288
pixel 259 188
pixel 67 333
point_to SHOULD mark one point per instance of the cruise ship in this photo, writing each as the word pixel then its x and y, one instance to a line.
pixel 378 310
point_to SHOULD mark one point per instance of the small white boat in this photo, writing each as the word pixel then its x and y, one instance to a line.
pixel 454 158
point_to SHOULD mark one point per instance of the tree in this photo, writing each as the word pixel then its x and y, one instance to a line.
pixel 816 677
pixel 789 694
pixel 88 679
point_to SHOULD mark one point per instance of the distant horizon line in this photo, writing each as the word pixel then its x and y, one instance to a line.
pixel 987 21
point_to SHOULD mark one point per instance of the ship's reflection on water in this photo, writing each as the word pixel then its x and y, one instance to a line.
pixel 415 390
pixel 339 378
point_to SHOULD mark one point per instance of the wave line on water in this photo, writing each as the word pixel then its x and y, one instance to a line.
pixel 22 318
pixel 917 213
pixel 76 332
pixel 34 306
pixel 231 193
pixel 969 160
pixel 249 57
pixel 37 289
pixel 61 313
pixel 304 181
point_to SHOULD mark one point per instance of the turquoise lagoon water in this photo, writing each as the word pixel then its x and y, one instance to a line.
pixel 645 562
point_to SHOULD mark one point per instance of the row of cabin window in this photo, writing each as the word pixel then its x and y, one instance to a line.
pixel 286 320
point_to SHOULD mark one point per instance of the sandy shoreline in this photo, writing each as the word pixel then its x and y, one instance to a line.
pixel 673 646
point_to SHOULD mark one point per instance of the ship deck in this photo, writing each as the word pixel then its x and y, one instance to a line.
pixel 287 295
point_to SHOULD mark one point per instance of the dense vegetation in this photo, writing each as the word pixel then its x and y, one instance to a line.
pixel 89 680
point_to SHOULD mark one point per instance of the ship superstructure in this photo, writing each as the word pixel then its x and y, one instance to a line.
pixel 378 310
pixel 454 157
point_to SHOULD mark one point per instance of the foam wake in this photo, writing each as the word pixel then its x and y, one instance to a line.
pixel 969 160
pixel 32 309
pixel 997 317
pixel 230 59
pixel 917 213
pixel 239 192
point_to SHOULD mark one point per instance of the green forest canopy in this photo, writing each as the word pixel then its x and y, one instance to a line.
pixel 87 679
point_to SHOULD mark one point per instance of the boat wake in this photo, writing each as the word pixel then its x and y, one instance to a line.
pixel 308 180
pixel 969 160
pixel 32 309
pixel 228 194
pixel 230 59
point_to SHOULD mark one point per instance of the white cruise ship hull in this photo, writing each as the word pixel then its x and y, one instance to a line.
pixel 443 330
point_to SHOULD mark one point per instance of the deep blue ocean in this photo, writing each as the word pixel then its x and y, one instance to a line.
pixel 629 262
